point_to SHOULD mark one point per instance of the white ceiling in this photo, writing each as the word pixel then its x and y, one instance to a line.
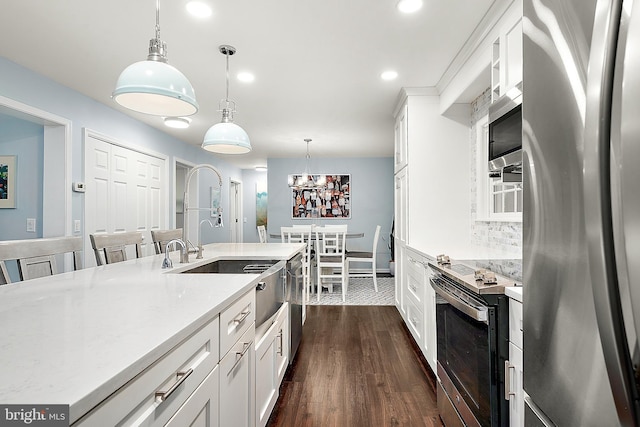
pixel 317 63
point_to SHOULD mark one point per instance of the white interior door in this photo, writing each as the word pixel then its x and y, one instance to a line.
pixel 125 191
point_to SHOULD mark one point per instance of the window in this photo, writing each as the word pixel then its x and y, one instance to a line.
pixel 496 200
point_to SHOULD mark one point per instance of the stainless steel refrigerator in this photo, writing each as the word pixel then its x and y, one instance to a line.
pixel 581 249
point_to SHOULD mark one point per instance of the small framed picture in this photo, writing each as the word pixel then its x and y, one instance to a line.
pixel 8 178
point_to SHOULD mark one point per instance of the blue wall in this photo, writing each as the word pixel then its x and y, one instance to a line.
pixel 371 197
pixel 28 87
pixel 24 140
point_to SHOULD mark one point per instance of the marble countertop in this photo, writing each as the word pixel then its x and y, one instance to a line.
pixel 77 337
pixel 514 292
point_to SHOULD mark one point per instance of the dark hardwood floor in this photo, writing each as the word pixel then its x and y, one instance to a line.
pixel 356 366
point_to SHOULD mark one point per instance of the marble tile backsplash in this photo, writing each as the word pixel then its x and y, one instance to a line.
pixel 498 235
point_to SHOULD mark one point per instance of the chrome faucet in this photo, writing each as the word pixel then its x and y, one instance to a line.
pixel 199 256
pixel 186 208
pixel 184 254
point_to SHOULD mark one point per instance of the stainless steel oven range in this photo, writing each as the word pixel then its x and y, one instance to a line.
pixel 472 321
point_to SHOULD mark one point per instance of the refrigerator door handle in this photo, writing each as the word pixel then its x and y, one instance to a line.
pixel 597 209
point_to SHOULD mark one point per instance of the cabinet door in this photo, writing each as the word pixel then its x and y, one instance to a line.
pixel 282 342
pixel 267 384
pixel 237 383
pixel 513 56
pixel 401 207
pixel 430 324
pixel 201 408
pixel 401 142
pixel 515 384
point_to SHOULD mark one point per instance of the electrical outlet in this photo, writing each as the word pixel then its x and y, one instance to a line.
pixel 76 226
pixel 31 225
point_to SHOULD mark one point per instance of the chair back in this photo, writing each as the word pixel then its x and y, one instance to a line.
pixel 113 246
pixel 298 234
pixel 331 240
pixel 160 238
pixel 37 257
pixel 262 233
pixel 376 236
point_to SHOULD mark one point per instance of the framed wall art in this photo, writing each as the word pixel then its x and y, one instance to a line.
pixel 8 178
pixel 331 200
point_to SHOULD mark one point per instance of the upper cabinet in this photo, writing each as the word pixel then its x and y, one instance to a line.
pixel 506 55
pixel 401 139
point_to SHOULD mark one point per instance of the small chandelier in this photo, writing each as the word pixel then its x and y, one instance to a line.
pixel 227 137
pixel 306 181
pixel 153 86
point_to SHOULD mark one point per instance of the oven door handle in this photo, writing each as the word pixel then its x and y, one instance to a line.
pixel 473 312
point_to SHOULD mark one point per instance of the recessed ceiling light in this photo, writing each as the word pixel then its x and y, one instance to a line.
pixel 199 9
pixel 261 168
pixel 409 6
pixel 389 75
pixel 177 122
pixel 246 77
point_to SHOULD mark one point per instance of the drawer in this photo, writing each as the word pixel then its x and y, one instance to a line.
pixel 415 288
pixel 415 266
pixel 235 320
pixel 515 322
pixel 415 322
pixel 182 369
pixel 202 407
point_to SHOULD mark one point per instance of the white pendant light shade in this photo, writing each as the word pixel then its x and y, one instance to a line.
pixel 226 138
pixel 153 86
pixel 157 88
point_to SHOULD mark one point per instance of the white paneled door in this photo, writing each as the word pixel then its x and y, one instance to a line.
pixel 125 191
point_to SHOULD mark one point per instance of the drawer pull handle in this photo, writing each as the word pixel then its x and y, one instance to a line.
pixel 281 350
pixel 181 376
pixel 507 380
pixel 243 316
pixel 245 347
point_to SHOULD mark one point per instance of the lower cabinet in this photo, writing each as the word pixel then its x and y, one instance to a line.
pixel 237 383
pixel 272 359
pixel 514 369
pixel 201 408
pixel 418 302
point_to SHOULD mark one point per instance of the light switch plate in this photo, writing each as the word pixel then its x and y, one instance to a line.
pixel 31 225
pixel 76 226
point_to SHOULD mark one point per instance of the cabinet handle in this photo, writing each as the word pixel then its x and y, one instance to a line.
pixel 245 347
pixel 507 380
pixel 243 316
pixel 281 350
pixel 180 377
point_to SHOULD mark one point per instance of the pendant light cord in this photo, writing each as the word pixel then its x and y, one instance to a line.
pixel 227 96
pixel 158 19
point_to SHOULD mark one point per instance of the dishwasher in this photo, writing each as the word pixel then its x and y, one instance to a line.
pixel 294 293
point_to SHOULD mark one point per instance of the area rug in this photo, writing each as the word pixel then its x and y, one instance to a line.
pixel 359 292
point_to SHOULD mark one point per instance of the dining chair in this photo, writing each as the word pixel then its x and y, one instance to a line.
pixel 301 234
pixel 330 256
pixel 262 233
pixel 112 246
pixel 160 238
pixel 37 257
pixel 368 257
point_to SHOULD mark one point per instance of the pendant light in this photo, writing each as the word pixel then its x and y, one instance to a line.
pixel 227 137
pixel 153 86
pixel 306 181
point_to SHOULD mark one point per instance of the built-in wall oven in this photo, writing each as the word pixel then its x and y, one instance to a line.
pixel 472 347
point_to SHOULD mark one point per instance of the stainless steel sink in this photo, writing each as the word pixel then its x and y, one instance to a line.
pixel 233 266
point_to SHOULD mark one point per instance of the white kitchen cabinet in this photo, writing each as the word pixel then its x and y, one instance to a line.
pixel 400 278
pixel 421 302
pixel 177 374
pixel 506 61
pixel 272 359
pixel 514 367
pixel 400 140
pixel 237 383
pixel 401 207
pixel 201 408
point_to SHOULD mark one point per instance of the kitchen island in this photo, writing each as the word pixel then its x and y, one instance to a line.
pixel 78 337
